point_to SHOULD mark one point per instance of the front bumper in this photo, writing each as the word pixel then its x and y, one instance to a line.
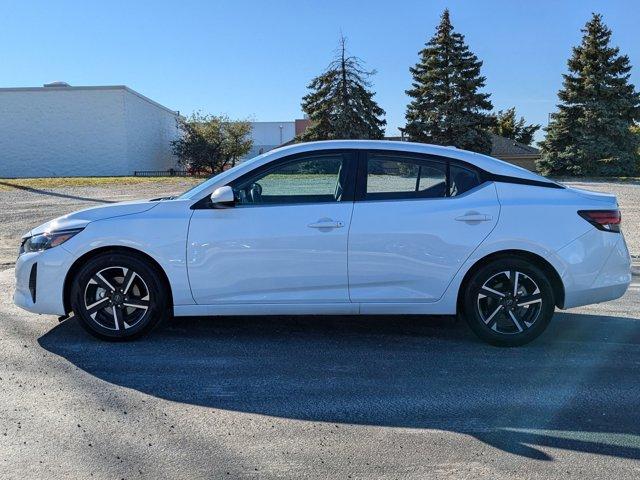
pixel 42 292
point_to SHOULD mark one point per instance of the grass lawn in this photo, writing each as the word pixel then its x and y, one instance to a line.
pixel 62 182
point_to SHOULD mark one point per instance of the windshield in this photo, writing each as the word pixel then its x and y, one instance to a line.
pixel 201 187
pixel 193 191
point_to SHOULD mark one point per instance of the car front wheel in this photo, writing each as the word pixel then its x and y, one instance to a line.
pixel 118 296
pixel 508 302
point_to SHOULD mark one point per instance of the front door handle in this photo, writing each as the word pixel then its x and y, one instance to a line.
pixel 326 223
pixel 474 217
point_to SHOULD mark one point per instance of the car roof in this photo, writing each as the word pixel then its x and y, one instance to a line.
pixel 485 162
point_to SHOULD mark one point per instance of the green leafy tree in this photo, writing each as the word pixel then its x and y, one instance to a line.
pixel 238 140
pixel 209 144
pixel 635 130
pixel 340 103
pixel 590 134
pixel 506 125
pixel 447 106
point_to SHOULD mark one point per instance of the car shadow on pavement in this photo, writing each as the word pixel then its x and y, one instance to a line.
pixel 574 388
pixel 55 194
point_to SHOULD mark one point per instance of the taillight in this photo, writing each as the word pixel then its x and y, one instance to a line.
pixel 607 220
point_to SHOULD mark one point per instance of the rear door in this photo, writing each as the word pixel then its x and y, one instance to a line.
pixel 416 220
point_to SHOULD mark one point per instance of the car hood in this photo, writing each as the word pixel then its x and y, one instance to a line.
pixel 82 218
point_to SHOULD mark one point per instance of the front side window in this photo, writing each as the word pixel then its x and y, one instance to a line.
pixel 396 176
pixel 308 179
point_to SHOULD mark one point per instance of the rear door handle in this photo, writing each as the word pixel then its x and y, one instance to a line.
pixel 474 217
pixel 322 223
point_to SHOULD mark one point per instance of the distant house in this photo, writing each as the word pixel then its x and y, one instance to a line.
pixel 506 149
pixel 269 135
pixel 514 152
pixel 60 130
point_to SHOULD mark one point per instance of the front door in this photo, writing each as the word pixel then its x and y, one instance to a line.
pixel 285 241
pixel 417 220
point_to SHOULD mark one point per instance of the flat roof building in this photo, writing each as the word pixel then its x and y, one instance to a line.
pixel 269 135
pixel 60 130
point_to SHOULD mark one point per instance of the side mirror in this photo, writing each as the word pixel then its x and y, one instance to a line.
pixel 223 197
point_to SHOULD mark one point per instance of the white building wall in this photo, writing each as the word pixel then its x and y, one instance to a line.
pixel 81 131
pixel 269 135
pixel 150 130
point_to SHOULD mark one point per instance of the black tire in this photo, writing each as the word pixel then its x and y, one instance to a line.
pixel 118 296
pixel 508 320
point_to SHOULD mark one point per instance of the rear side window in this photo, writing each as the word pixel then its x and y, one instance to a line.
pixel 461 180
pixel 395 176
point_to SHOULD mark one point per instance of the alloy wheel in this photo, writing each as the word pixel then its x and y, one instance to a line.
pixel 116 298
pixel 509 302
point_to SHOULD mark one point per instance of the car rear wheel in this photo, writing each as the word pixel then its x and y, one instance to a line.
pixel 117 296
pixel 508 302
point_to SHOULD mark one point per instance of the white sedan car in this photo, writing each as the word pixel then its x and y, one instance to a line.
pixel 336 228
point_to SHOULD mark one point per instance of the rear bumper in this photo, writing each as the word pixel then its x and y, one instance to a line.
pixel 598 268
pixel 42 292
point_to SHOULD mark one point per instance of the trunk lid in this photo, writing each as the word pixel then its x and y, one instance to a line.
pixel 607 199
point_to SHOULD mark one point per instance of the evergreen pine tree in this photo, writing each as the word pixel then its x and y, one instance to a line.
pixel 506 125
pixel 590 134
pixel 340 104
pixel 448 107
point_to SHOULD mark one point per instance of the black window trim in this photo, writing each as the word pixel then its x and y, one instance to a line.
pixel 357 173
pixel 494 177
pixel 347 194
pixel 483 175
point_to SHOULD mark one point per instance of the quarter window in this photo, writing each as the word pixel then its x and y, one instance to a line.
pixel 461 180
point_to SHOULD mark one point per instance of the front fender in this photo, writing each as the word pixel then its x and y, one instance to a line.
pixel 160 233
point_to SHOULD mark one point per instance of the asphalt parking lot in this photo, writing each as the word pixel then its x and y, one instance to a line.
pixel 291 397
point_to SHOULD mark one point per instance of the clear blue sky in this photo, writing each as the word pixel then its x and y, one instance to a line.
pixel 253 59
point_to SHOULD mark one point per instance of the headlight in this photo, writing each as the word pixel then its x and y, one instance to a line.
pixel 47 240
